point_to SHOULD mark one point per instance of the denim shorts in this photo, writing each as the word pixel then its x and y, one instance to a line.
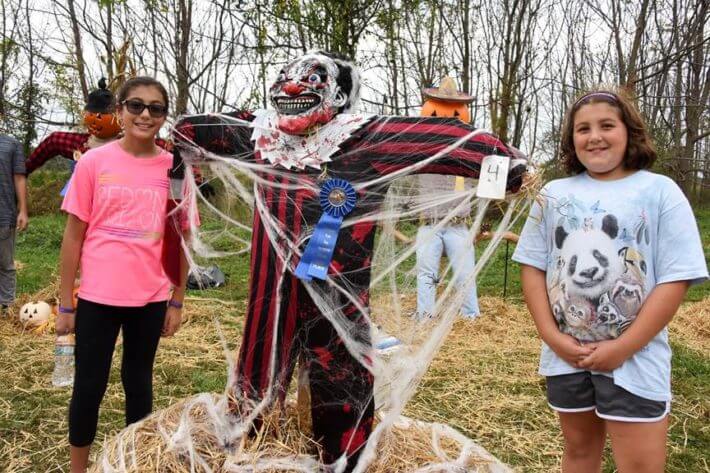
pixel 584 391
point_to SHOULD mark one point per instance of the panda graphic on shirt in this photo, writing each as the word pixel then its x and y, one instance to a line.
pixel 597 283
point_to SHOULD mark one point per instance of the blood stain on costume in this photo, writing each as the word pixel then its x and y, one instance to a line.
pixel 336 267
pixel 361 230
pixel 324 356
pixel 264 141
pixel 352 439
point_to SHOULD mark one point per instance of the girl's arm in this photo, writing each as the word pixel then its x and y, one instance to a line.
pixel 535 292
pixel 72 242
pixel 656 312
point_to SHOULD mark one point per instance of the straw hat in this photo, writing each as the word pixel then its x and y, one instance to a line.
pixel 447 92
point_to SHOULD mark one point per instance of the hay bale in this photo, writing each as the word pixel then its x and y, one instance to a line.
pixel 191 436
pixel 692 325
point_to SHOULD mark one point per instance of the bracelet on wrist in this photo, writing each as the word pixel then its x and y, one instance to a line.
pixel 66 310
pixel 174 303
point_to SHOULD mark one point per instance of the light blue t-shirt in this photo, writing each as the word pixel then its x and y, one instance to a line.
pixel 604 246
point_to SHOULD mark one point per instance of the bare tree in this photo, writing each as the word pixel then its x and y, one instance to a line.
pixel 78 49
pixel 523 60
pixel 9 49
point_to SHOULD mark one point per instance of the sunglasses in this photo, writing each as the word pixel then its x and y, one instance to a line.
pixel 136 107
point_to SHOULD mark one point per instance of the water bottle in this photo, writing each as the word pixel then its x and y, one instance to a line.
pixel 385 343
pixel 63 374
pixel 388 344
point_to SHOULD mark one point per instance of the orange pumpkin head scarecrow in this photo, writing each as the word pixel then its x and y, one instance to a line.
pixel 446 101
pixel 99 113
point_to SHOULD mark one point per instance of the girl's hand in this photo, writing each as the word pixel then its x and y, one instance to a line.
pixel 65 324
pixel 173 319
pixel 607 356
pixel 570 349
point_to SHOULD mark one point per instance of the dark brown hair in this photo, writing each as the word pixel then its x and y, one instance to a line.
pixel 640 153
pixel 141 81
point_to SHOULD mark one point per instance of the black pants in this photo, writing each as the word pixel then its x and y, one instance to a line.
pixel 97 327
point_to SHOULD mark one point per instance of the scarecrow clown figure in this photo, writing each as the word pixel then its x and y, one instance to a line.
pixel 321 175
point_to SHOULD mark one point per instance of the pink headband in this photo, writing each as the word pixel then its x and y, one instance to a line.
pixel 606 96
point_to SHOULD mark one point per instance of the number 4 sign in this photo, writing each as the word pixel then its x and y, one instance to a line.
pixel 493 177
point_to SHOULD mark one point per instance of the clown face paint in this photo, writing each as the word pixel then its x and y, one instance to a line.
pixel 306 94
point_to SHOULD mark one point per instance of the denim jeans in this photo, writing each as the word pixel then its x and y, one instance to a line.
pixel 7 265
pixel 458 244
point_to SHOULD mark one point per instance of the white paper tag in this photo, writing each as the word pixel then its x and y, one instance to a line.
pixel 493 177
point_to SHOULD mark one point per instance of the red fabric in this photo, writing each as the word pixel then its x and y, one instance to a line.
pixel 170 256
pixel 59 143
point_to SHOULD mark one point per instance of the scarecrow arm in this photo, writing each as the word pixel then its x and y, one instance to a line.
pixel 394 143
pixel 224 134
pixel 59 143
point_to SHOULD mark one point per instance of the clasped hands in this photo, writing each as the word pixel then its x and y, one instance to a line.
pixel 605 355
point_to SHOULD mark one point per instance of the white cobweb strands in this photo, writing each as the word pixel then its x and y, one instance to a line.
pixel 249 184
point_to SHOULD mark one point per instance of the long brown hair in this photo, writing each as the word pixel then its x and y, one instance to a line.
pixel 640 152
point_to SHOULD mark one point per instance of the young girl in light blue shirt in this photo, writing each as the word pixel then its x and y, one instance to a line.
pixel 607 256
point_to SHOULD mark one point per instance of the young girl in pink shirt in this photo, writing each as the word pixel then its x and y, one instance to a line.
pixel 117 213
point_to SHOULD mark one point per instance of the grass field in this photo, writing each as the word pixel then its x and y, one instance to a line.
pixel 483 382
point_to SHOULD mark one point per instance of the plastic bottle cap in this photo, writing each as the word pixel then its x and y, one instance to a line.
pixel 66 339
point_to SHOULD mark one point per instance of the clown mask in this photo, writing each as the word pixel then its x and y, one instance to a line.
pixel 306 94
pixel 101 125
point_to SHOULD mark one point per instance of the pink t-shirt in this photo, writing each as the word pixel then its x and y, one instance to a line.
pixel 123 199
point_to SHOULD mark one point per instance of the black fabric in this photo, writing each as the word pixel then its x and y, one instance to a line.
pixel 616 402
pixel 573 391
pixel 100 100
pixel 205 278
pixel 97 327
pixel 584 391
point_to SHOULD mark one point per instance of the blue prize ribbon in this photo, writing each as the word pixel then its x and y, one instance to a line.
pixel 337 199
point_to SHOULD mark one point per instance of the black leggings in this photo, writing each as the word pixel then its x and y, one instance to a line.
pixel 97 327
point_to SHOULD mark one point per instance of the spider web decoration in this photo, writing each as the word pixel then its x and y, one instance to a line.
pixel 389 199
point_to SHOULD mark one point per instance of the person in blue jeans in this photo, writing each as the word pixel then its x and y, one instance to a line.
pixel 453 238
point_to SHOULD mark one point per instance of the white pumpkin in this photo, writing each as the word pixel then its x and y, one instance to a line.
pixel 33 314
